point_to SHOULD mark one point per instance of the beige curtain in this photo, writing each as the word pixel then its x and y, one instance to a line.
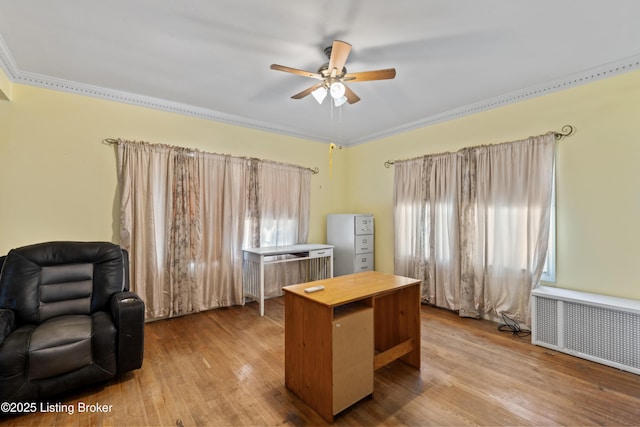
pixel 512 207
pixel 426 226
pixel 145 175
pixel 282 212
pixel 183 224
pixel 223 214
pixel 409 218
pixel 474 225
pixel 186 215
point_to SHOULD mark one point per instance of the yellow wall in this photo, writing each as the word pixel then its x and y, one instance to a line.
pixel 59 182
pixel 598 177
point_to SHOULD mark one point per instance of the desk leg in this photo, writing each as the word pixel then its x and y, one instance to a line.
pixel 331 265
pixel 308 353
pixel 261 289
pixel 397 327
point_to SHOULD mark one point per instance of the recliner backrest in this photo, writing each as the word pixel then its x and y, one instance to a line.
pixel 57 278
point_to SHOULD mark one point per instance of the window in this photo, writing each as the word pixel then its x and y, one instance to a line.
pixel 443 251
pixel 549 270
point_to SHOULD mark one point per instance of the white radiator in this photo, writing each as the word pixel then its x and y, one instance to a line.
pixel 595 327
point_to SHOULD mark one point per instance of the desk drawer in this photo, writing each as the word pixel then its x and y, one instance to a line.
pixel 363 262
pixel 321 253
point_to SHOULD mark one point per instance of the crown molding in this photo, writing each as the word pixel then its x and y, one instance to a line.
pixel 62 85
pixel 7 63
pixel 593 74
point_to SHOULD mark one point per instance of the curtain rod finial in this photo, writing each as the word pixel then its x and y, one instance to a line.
pixel 567 130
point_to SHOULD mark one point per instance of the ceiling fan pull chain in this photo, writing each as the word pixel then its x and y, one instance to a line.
pixel 340 124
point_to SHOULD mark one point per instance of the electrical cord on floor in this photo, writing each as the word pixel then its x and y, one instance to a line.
pixel 512 326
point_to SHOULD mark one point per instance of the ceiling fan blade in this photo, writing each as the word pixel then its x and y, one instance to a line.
pixel 296 71
pixel 352 98
pixel 339 54
pixel 307 91
pixel 363 76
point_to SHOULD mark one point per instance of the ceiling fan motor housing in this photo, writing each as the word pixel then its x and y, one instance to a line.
pixel 324 70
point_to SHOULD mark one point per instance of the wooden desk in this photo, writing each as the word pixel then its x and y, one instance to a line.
pixel 357 324
pixel 320 265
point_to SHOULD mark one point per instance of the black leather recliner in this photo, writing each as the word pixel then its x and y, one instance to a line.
pixel 67 318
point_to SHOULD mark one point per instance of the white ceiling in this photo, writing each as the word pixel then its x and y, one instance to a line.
pixel 211 58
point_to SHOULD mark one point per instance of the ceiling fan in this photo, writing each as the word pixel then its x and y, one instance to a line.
pixel 333 76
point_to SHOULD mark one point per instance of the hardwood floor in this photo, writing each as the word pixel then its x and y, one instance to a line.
pixel 226 367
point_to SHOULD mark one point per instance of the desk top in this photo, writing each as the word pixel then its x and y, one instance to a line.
pixel 287 249
pixel 352 287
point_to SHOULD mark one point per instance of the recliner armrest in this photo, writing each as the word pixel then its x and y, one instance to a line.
pixel 127 310
pixel 7 323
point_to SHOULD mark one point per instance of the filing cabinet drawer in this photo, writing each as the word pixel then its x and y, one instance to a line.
pixel 363 262
pixel 364 225
pixel 364 243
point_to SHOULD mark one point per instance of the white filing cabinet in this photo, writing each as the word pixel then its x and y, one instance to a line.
pixel 352 238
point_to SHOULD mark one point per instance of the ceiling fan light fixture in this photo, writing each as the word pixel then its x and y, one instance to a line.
pixel 339 101
pixel 320 94
pixel 337 90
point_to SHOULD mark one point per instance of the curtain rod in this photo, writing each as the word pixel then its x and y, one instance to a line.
pixel 567 130
pixel 112 141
